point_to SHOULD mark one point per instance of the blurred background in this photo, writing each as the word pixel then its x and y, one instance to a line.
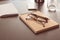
pixel 21 4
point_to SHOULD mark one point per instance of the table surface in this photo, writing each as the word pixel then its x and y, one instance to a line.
pixel 14 29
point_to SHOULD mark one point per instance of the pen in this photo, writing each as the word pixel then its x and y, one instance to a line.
pixel 8 15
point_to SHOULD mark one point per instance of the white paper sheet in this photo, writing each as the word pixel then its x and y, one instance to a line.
pixel 31 4
pixel 7 8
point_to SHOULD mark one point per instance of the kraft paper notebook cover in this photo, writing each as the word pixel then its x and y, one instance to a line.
pixel 37 27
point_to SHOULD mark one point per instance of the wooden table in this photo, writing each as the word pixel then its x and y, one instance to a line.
pixel 14 29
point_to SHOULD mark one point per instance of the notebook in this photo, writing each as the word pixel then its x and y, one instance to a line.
pixel 7 8
pixel 36 26
pixel 31 4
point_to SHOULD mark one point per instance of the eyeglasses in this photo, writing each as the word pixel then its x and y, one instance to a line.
pixel 37 18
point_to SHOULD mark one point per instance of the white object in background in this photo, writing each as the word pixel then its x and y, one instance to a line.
pixel 7 8
pixel 31 4
pixel 52 5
